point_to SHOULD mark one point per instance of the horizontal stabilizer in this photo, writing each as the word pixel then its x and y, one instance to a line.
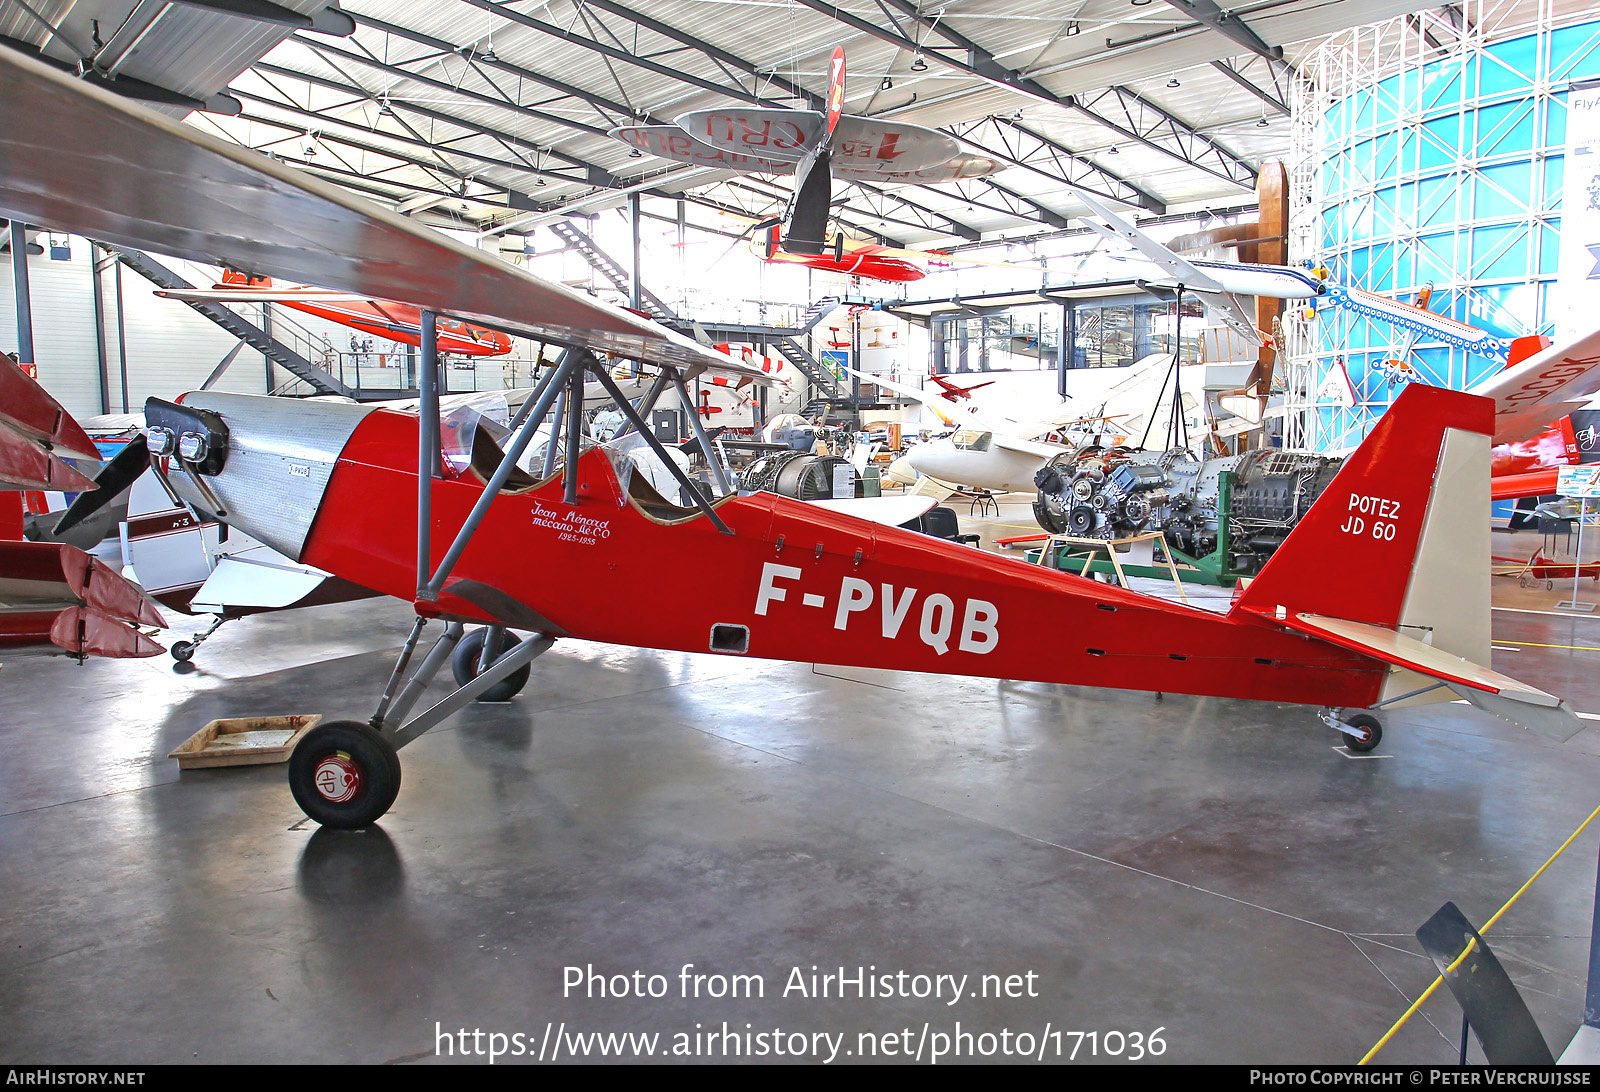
pixel 1557 722
pixel 28 411
pixel 1484 687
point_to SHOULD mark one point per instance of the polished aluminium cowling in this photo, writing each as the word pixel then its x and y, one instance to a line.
pixel 281 452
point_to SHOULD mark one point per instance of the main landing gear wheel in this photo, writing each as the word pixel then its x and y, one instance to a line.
pixel 345 775
pixel 1370 724
pixel 464 666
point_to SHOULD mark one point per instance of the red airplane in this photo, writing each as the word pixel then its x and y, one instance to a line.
pixel 851 257
pixel 579 552
pixel 952 391
pixel 386 319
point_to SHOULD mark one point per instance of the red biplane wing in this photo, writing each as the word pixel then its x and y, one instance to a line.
pixel 141 180
pixel 32 427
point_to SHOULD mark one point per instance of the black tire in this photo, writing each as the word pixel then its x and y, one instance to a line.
pixel 1361 720
pixel 344 775
pixel 183 651
pixel 464 666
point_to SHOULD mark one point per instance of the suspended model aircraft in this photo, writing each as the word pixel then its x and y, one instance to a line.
pixel 385 318
pixel 574 554
pixel 814 147
pixel 848 256
pixel 952 391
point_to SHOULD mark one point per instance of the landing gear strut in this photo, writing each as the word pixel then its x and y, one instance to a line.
pixel 183 651
pixel 1362 732
pixel 345 775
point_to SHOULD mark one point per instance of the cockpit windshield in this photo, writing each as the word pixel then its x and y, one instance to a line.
pixel 969 439
pixel 460 417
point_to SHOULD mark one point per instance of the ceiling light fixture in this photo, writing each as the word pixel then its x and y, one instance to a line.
pixel 1113 150
pixel 1173 82
pixel 1262 124
pixel 918 64
pixel 886 85
pixel 1139 3
pixel 635 154
pixel 1072 28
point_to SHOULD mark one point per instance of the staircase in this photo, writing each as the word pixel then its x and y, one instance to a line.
pixel 603 264
pixel 241 328
pixel 824 384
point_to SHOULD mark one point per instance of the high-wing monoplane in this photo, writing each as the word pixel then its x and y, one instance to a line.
pixel 578 553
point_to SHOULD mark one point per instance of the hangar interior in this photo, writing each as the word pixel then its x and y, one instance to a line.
pixel 1195 655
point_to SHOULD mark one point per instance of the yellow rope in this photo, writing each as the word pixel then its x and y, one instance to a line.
pixel 1427 993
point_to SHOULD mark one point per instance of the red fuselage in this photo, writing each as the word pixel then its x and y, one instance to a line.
pixel 800 579
pixel 403 323
pixel 392 321
pixel 862 262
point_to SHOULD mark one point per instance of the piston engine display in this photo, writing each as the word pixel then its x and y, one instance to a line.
pixel 1118 492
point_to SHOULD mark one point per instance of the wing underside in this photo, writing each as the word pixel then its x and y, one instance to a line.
pixel 76 158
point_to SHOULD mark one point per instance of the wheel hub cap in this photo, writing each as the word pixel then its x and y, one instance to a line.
pixel 337 779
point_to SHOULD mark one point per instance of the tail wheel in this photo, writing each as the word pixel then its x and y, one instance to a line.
pixel 464 666
pixel 344 775
pixel 1369 724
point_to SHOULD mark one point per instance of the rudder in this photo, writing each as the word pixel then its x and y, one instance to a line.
pixel 1400 538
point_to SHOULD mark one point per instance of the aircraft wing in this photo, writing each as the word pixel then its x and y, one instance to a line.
pixel 1530 396
pixel 938 404
pixel 77 158
pixel 1220 303
pixel 671 142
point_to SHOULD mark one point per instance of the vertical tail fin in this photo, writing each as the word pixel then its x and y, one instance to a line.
pixel 1393 562
pixel 1400 538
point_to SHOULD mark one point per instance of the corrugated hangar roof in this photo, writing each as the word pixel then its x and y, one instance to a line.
pixel 491 115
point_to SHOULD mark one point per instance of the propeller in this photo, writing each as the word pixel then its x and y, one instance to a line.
pixel 114 477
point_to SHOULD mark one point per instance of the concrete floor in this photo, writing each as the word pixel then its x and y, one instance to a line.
pixel 1214 869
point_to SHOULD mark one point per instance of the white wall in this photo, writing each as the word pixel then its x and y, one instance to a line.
pixel 170 348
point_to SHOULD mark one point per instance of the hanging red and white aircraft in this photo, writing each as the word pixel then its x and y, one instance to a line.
pixel 578 554
pixel 388 319
pixel 851 257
